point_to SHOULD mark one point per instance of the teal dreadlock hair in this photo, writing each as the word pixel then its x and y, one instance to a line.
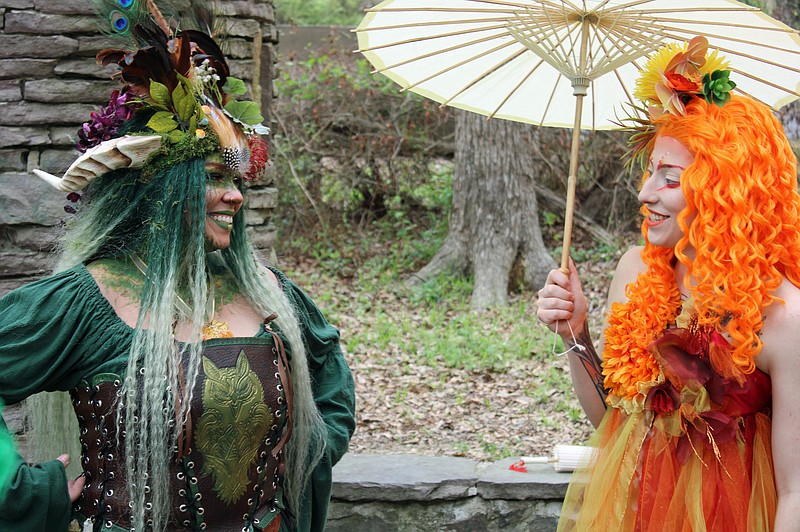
pixel 162 219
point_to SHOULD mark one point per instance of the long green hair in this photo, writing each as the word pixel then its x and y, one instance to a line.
pixel 162 219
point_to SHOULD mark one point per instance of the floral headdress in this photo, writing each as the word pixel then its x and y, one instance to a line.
pixel 179 101
pixel 675 75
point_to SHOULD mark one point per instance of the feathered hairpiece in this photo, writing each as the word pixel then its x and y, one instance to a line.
pixel 675 75
pixel 178 85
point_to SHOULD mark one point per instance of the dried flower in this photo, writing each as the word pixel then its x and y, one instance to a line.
pixel 259 155
pixel 105 124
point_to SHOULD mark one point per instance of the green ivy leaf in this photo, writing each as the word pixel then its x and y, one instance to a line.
pixel 162 122
pixel 234 86
pixel 159 93
pixel 245 112
pixel 185 102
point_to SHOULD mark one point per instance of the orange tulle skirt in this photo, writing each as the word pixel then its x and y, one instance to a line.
pixel 648 477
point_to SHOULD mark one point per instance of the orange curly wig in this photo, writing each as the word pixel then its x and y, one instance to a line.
pixel 742 189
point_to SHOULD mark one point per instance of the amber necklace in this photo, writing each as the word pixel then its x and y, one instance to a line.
pixel 212 328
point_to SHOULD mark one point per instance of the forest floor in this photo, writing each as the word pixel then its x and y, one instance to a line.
pixel 409 402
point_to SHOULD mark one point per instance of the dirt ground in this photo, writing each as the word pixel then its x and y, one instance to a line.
pixel 408 407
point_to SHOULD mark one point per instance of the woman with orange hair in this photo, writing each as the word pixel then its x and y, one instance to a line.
pixel 697 397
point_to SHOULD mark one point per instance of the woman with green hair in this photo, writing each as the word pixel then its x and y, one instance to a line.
pixel 209 390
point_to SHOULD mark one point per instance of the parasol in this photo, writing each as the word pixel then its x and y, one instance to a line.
pixel 524 60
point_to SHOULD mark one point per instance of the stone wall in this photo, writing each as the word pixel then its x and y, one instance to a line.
pixel 49 84
pixel 410 492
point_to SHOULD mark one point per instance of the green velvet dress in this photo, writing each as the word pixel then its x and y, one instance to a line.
pixel 58 332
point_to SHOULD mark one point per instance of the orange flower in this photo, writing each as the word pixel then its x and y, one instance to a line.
pixel 680 83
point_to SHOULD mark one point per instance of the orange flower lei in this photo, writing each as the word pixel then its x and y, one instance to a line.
pixel 629 369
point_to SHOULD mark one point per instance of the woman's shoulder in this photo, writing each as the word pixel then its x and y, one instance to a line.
pixel 781 321
pixel 117 275
pixel 67 283
pixel 631 260
pixel 120 283
pixel 629 267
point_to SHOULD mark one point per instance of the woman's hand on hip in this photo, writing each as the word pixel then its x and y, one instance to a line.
pixel 75 487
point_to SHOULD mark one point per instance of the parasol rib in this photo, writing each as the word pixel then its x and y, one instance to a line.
pixel 440 10
pixel 442 51
pixel 745 93
pixel 727 25
pixel 452 34
pixel 636 3
pixel 460 63
pixel 717 36
pixel 503 19
pixel 516 88
pixel 549 104
pixel 479 78
pixel 765 82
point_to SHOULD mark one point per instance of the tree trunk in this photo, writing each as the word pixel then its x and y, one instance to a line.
pixel 494 228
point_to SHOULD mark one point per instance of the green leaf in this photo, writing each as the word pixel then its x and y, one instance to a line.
pixel 176 135
pixel 245 112
pixel 234 86
pixel 159 93
pixel 162 122
pixel 184 102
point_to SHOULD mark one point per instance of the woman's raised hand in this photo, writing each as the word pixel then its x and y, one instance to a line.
pixel 561 302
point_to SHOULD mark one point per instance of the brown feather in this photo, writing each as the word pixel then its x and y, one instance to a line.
pixel 158 17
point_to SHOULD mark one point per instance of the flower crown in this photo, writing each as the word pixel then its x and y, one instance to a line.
pixel 179 100
pixel 182 83
pixel 675 75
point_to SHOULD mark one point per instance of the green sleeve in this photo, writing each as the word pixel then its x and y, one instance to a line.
pixel 36 497
pixel 52 333
pixel 334 392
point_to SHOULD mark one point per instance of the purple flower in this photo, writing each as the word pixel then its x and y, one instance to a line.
pixel 105 123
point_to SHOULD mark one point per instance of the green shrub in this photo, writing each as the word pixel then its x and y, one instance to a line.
pixel 349 147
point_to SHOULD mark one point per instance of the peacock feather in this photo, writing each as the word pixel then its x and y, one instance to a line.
pixel 121 18
pixel 117 18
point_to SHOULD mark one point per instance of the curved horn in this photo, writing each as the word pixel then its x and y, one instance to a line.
pixel 123 152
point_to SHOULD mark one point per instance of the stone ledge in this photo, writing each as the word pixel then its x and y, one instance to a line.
pixel 359 477
pixel 412 492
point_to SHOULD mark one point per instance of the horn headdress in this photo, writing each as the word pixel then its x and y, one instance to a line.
pixel 178 102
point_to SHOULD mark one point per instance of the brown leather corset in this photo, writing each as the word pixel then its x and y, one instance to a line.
pixel 230 475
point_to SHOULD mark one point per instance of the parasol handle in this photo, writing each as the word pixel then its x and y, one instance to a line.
pixel 572 181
